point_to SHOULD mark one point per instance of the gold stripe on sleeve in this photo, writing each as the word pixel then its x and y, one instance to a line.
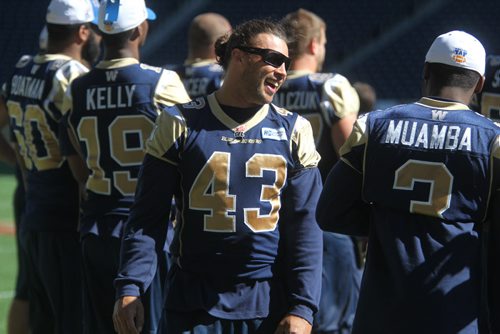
pixel 358 136
pixel 170 89
pixel 169 127
pixel 306 149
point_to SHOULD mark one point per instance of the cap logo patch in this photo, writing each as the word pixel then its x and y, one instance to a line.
pixel 459 56
pixel 111 13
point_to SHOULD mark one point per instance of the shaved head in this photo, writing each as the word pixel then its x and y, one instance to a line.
pixel 204 30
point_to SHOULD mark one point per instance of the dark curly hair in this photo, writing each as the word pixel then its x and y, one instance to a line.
pixel 242 35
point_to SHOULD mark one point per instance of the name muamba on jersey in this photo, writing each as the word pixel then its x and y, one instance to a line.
pixel 100 98
pixel 27 87
pixel 423 135
pixel 297 100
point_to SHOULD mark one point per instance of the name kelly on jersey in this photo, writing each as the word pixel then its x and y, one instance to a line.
pixel 100 98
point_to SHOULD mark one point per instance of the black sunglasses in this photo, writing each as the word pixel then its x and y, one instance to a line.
pixel 270 57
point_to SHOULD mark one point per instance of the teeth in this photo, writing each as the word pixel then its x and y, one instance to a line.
pixel 274 84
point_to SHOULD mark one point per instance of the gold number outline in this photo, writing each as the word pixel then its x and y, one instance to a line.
pixel 437 175
pixel 118 129
pixel 27 147
pixel 214 178
pixel 255 167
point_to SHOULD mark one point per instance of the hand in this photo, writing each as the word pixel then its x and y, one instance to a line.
pixel 128 315
pixel 292 324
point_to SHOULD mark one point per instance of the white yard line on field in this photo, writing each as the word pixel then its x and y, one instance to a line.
pixel 6 294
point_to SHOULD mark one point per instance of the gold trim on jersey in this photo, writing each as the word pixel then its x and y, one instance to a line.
pixel 357 137
pixel 39 59
pixel 342 96
pixel 447 105
pixel 116 63
pixel 302 135
pixel 229 122
pixel 169 127
pixel 170 90
pixel 496 148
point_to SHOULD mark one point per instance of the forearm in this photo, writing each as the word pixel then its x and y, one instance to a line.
pixel 146 228
pixel 303 244
pixel 341 130
pixel 340 207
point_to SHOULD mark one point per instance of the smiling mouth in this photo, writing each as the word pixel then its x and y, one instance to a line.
pixel 272 84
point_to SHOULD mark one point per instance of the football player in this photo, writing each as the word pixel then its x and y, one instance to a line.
pixel 112 112
pixel 331 104
pixel 18 318
pixel 489 98
pixel 489 106
pixel 425 173
pixel 34 95
pixel 244 173
pixel 200 72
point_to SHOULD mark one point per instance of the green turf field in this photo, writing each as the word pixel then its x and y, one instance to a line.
pixel 7 184
pixel 8 254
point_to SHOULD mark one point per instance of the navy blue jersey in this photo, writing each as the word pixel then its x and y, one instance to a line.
pixel 201 77
pixel 239 190
pixel 489 98
pixel 426 172
pixel 323 99
pixel 34 96
pixel 114 116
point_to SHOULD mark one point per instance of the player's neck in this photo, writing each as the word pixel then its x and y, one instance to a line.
pixel 304 63
pixel 117 53
pixel 72 51
pixel 228 96
pixel 192 56
pixel 452 93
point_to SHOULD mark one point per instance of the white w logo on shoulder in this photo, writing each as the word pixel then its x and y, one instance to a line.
pixel 439 115
pixel 111 75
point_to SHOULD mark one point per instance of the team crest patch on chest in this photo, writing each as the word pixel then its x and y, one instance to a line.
pixel 274 134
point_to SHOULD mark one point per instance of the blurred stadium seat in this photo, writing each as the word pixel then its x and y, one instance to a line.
pixel 379 42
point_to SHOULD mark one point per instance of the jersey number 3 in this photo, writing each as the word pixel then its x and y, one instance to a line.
pixel 434 173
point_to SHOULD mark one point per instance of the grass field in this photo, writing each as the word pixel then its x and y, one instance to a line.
pixel 8 256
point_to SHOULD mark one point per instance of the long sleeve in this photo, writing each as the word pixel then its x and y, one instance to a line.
pixel 303 243
pixel 340 208
pixel 146 228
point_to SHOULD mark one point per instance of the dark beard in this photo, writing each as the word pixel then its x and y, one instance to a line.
pixel 91 50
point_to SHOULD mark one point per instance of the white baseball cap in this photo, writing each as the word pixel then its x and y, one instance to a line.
pixel 116 16
pixel 71 12
pixel 459 49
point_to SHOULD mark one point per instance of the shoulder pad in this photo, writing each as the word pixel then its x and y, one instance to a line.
pixel 68 67
pixel 282 111
pixel 58 63
pixel 337 80
pixel 151 68
pixel 23 61
pixel 215 68
pixel 320 77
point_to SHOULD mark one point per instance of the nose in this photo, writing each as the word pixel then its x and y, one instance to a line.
pixel 281 71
